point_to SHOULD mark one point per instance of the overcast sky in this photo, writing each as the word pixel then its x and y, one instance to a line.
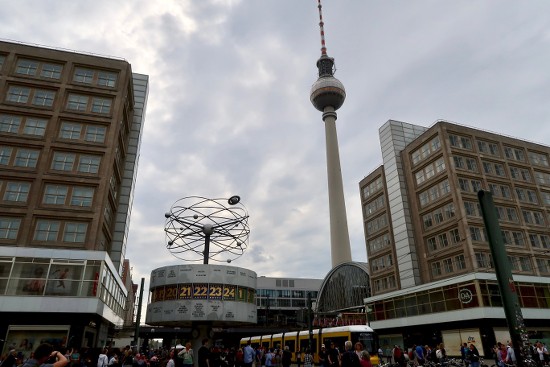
pixel 229 110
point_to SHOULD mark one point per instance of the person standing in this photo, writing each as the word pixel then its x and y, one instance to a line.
pixel 365 359
pixel 298 357
pixel 171 362
pixel 11 359
pixel 510 354
pixel 248 355
pixel 187 355
pixel 103 360
pixel 473 356
pixel 287 357
pixel 349 357
pixel 333 356
pixel 42 354
pixel 308 358
pixel 323 356
pixel 204 354
pixel 359 350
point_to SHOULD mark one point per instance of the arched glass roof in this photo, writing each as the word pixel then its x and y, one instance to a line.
pixel 344 289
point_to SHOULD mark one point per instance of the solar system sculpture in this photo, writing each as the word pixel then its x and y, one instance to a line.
pixel 203 298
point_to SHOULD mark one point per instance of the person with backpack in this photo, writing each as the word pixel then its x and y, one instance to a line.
pixel 46 356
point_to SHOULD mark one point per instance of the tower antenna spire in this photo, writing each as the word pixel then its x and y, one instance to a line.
pixel 322 29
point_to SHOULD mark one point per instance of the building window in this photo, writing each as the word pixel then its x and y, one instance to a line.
pixel 477 234
pixel 18 94
pixel 372 188
pixel 515 154
pixel 101 105
pixel 539 159
pixel 26 158
pixel 5 155
pixel 26 67
pixel 2 60
pixel 63 161
pixel 448 266
pixel 77 102
pixel 95 134
pixel 46 230
pixel 460 142
pixel 455 236
pixel 472 209
pixel 502 191
pixel 520 174
pixel 43 98
pixel 80 103
pixel 106 79
pixel 533 217
pixel 100 78
pixel 542 178
pixel 436 269
pixel 31 67
pixel 22 95
pixel 9 124
pixel 70 130
pixel 82 196
pixel 73 131
pixel 484 260
pixel 34 126
pixel 88 164
pixel 9 227
pixel 426 150
pixel 17 191
pixel 75 232
pixel 460 262
pixel 55 194
pixel 51 71
pixel 82 75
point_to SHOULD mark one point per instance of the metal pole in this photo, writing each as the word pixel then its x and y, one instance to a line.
pixel 503 270
pixel 138 316
pixel 206 252
pixel 309 322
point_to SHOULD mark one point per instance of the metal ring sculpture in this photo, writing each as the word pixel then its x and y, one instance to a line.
pixel 198 228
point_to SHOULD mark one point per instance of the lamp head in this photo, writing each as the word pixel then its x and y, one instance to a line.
pixel 233 200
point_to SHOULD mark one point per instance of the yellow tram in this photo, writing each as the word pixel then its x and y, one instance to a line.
pixel 299 340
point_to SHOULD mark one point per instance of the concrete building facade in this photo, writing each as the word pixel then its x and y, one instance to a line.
pixel 431 269
pixel 70 132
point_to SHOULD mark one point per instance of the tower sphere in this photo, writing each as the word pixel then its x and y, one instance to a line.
pixel 327 91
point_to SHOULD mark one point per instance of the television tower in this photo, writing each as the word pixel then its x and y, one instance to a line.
pixel 328 95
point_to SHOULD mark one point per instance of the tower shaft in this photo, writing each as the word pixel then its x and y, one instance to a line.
pixel 339 235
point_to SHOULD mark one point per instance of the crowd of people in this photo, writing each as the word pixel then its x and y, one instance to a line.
pixel 352 355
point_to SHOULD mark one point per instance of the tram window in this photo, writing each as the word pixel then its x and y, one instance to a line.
pixel 265 344
pixel 304 344
pixel 367 339
pixel 291 345
pixel 338 341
